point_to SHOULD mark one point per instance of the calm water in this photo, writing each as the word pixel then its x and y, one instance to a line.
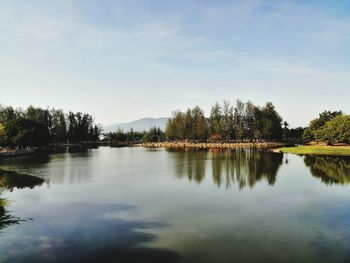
pixel 142 205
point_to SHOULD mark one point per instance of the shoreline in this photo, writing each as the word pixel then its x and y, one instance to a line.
pixel 9 153
pixel 276 147
pixel 191 145
pixel 335 150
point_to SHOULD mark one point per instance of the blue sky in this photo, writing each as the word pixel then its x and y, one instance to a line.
pixel 123 60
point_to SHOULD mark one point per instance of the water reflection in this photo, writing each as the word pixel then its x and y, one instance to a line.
pixel 244 167
pixel 86 232
pixel 9 181
pixel 190 164
pixel 330 169
pixel 6 219
pixel 55 168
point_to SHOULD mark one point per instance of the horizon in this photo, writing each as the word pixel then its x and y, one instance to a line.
pixel 122 61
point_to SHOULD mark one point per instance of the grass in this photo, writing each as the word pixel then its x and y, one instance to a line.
pixel 317 149
pixel 3 202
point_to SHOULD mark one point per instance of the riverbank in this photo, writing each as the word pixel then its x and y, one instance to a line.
pixel 192 145
pixel 49 149
pixel 317 150
pixel 11 153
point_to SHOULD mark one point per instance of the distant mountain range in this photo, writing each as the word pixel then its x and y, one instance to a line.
pixel 140 125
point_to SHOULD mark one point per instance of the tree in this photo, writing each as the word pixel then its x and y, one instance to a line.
pixel 25 132
pixel 227 123
pixel 58 129
pixel 244 122
pixel 215 120
pixel 249 120
pixel 199 124
pixel 335 130
pixel 316 124
pixel 175 128
pixel 2 135
pixel 188 125
pixel 285 130
pixel 272 129
pixel 7 114
pixel 154 135
pixel 238 119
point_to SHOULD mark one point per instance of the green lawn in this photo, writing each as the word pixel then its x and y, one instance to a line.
pixel 317 149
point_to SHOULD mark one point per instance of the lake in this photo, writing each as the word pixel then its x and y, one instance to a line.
pixel 157 205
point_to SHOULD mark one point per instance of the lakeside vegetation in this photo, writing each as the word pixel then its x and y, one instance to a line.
pixel 39 127
pixel 121 138
pixel 244 122
pixel 317 149
pixel 330 128
pixel 330 169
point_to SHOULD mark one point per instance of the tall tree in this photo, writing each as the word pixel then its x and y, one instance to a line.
pixel 272 129
pixel 215 120
pixel 239 120
pixel 227 121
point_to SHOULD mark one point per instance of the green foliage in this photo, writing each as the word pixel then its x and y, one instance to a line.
pixel 37 127
pixel 154 135
pixel 81 128
pixel 272 129
pixel 317 150
pixel 191 125
pixel 330 169
pixel 2 135
pixel 336 130
pixel 215 120
pixel 296 133
pixel 129 137
pixel 58 129
pixel 26 132
pixel 122 138
pixel 225 123
pixel 313 131
pixel 330 127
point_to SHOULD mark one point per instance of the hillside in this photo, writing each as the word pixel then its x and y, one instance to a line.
pixel 143 124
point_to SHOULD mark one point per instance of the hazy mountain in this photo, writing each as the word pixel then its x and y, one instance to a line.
pixel 139 125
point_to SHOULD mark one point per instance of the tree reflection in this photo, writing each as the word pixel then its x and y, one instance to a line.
pixel 190 164
pixel 5 218
pixel 243 167
pixel 330 169
pixel 8 181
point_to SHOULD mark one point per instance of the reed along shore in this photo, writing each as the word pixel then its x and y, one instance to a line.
pixel 213 145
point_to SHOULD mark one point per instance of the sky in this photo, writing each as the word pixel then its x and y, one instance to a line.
pixel 124 60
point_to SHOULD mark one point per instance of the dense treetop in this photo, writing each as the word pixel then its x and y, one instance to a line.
pixel 37 127
pixel 225 123
pixel 330 127
pixel 245 121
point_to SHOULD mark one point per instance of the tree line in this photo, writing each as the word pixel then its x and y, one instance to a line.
pixel 36 126
pixel 242 122
pixel 330 126
pixel 154 134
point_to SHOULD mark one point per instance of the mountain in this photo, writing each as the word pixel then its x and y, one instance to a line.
pixel 143 124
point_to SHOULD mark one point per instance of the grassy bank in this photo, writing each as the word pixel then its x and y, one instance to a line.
pixel 317 149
